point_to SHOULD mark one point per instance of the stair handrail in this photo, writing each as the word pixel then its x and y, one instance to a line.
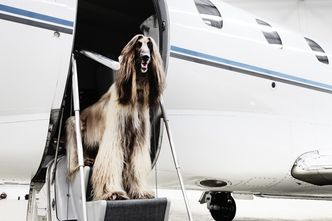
pixel 175 160
pixel 78 135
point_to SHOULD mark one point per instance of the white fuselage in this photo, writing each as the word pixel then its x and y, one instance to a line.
pixel 34 67
pixel 228 122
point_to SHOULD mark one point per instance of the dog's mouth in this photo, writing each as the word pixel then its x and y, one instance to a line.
pixel 144 66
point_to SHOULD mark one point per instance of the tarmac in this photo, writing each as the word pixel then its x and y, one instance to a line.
pixel 258 209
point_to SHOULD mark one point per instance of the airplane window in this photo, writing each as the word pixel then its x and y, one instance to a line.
pixel 209 13
pixel 270 34
pixel 319 52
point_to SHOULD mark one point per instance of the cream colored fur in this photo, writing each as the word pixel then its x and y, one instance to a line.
pixel 121 130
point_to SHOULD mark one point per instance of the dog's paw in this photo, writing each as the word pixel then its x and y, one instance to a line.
pixel 142 195
pixel 119 195
pixel 89 162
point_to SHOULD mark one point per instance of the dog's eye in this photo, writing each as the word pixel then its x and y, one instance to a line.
pixel 150 45
pixel 138 44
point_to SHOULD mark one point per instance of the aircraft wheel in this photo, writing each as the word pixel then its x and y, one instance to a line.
pixel 222 206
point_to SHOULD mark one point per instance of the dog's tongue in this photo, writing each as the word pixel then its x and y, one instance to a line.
pixel 144 66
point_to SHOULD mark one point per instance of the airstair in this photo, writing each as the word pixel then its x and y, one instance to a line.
pixel 70 198
pixel 69 202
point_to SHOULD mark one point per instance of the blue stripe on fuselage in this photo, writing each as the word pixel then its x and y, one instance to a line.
pixel 258 71
pixel 35 15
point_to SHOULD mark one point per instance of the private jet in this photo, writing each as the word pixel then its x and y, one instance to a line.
pixel 247 100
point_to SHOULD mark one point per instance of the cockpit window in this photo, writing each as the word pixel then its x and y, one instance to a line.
pixel 270 34
pixel 318 51
pixel 209 13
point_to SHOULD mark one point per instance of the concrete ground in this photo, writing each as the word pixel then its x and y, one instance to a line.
pixel 259 209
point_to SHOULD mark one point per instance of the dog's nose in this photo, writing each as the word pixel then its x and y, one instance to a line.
pixel 145 58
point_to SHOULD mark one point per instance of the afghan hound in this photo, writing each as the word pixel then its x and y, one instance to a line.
pixel 118 125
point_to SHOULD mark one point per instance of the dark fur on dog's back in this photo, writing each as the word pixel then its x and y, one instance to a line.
pixel 119 124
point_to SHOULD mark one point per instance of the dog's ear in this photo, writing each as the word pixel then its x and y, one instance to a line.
pixel 157 77
pixel 126 75
pixel 120 58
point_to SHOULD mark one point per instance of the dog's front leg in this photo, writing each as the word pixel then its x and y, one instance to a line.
pixel 71 148
pixel 137 172
pixel 107 171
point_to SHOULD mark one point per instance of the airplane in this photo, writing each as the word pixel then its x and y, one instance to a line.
pixel 248 101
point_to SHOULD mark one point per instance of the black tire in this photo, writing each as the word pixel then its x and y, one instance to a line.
pixel 223 207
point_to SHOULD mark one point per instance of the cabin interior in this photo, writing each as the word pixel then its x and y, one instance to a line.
pixel 105 27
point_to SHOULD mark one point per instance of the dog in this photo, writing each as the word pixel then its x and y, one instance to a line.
pixel 118 125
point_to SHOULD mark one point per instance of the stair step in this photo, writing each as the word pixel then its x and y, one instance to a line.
pixel 138 210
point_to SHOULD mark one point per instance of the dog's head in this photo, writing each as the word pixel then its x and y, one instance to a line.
pixel 140 58
pixel 143 49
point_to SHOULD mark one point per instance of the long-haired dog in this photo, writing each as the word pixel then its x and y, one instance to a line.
pixel 119 125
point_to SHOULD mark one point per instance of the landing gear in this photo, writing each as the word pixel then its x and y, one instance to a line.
pixel 221 205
